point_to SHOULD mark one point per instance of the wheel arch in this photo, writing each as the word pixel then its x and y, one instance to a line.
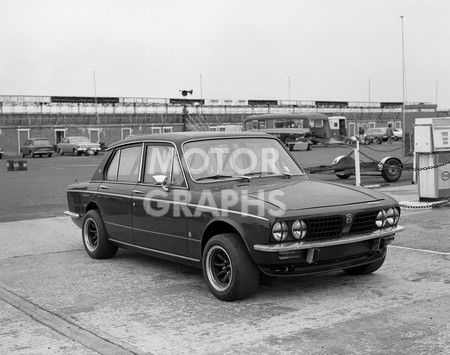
pixel 92 206
pixel 220 226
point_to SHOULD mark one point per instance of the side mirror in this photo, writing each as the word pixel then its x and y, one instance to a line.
pixel 162 181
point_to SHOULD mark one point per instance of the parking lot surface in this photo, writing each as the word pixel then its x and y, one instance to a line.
pixel 54 299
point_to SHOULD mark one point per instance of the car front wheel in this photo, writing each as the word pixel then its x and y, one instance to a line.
pixel 228 269
pixel 95 240
pixel 392 170
pixel 366 269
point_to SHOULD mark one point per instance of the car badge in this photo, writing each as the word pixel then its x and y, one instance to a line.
pixel 348 218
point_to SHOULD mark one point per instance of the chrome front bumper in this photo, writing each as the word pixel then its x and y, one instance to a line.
pixel 72 214
pixel 323 243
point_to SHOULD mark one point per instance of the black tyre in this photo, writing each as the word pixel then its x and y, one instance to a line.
pixel 378 140
pixel 367 141
pixel 95 240
pixel 228 269
pixel 96 153
pixel 392 170
pixel 366 269
pixel 60 152
pixel 22 154
pixel 75 153
pixel 289 143
pixel 343 176
pixel 49 155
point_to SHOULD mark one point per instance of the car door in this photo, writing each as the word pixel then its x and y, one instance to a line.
pixel 115 192
pixel 63 145
pixel 159 212
pixel 25 148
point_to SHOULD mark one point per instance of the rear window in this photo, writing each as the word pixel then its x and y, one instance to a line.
pixel 41 143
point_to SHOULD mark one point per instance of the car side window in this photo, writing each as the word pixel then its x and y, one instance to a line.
pixel 124 165
pixel 162 160
pixel 130 159
pixel 111 172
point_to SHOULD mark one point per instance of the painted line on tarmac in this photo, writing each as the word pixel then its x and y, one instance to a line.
pixel 422 250
pixel 100 344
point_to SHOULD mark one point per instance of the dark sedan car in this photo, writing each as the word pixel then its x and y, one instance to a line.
pixel 236 205
pixel 37 146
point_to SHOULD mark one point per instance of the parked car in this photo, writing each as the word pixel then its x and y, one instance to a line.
pixel 234 204
pixel 37 146
pixel 77 146
pixel 398 134
pixel 375 135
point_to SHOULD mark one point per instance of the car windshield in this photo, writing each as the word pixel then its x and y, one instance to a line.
pixel 217 159
pixel 41 142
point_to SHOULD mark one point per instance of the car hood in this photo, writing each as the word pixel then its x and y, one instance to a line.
pixel 88 144
pixel 308 194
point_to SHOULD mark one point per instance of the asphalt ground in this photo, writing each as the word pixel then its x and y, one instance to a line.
pixel 54 299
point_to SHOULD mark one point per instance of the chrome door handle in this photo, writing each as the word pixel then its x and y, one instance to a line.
pixel 104 187
pixel 138 192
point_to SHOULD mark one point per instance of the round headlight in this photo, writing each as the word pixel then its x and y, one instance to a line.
pixel 299 229
pixel 381 219
pixel 280 231
pixel 392 215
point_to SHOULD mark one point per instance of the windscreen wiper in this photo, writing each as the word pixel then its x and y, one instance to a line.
pixel 214 177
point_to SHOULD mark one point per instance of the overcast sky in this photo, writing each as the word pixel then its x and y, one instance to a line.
pixel 325 49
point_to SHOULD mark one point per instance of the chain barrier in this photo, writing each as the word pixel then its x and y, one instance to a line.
pixel 424 207
pixel 382 151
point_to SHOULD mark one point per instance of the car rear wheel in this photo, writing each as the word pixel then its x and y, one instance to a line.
pixel 49 155
pixel 366 269
pixel 75 153
pixel 228 269
pixel 95 240
pixel 378 140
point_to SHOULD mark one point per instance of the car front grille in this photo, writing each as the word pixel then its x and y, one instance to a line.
pixel 324 227
pixel 364 222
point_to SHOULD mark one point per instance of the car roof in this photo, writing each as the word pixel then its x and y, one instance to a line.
pixel 37 139
pixel 180 137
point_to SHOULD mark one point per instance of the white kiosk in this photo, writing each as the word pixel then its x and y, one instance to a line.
pixel 432 148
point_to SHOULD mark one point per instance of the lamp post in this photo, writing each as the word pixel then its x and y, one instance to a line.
pixel 403 89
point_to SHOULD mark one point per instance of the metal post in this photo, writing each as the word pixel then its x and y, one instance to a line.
pixel 404 91
pixel 357 167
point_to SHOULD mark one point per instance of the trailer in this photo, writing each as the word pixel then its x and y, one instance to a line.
pixel 343 166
